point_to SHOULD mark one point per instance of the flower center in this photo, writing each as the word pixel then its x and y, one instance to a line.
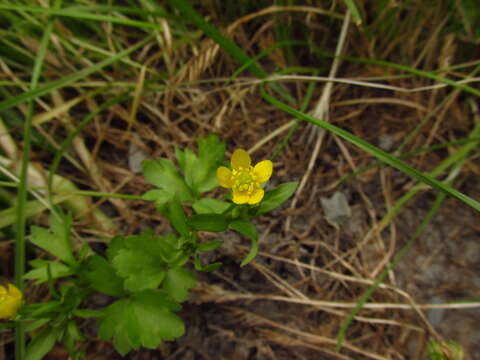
pixel 245 180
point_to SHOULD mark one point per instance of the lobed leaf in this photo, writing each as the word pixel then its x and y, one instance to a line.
pixel 139 263
pixel 200 172
pixel 57 241
pixel 42 268
pixel 162 173
pixel 145 319
pixel 103 277
pixel 177 283
pixel 174 212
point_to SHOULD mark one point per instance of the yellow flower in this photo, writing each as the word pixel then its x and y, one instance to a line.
pixel 10 301
pixel 245 180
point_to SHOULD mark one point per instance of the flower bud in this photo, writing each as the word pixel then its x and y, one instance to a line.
pixel 10 301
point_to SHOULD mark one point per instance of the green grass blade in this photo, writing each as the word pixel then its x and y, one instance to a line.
pixel 456 160
pixel 373 150
pixel 408 155
pixel 83 14
pixel 227 44
pixel 357 18
pixel 20 222
pixel 57 84
pixel 294 127
pixel 269 50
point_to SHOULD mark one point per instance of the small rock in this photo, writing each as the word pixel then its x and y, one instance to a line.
pixel 336 209
pixel 435 316
pixel 135 155
pixel 386 142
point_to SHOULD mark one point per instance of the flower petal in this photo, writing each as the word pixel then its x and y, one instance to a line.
pixel 224 177
pixel 240 197
pixel 256 197
pixel 263 170
pixel 240 158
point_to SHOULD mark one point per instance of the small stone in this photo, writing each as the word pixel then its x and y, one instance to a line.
pixel 336 209
pixel 435 316
pixel 135 155
pixel 386 142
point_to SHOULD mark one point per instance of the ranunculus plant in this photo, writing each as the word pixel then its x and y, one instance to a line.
pixel 148 275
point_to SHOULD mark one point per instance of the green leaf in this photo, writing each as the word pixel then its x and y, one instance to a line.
pixel 162 173
pixel 208 222
pixel 142 259
pixel 276 197
pixel 83 252
pixel 209 268
pixel 43 343
pixel 200 172
pixel 41 272
pixel 6 325
pixel 140 269
pixel 249 230
pixel 209 205
pixel 57 242
pixel 71 337
pixel 36 324
pixel 187 159
pixel 145 319
pixel 159 196
pixel 211 152
pixel 115 324
pixel 357 18
pixel 209 246
pixel 178 282
pixel 115 245
pixel 176 215
pixel 40 310
pixel 245 228
pixel 170 249
pixel 103 277
pixel 154 311
pixel 87 313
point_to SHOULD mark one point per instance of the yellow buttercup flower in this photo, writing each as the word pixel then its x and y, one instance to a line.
pixel 10 301
pixel 244 179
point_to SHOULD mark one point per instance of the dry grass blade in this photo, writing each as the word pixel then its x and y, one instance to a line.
pixel 252 319
pixel 321 111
